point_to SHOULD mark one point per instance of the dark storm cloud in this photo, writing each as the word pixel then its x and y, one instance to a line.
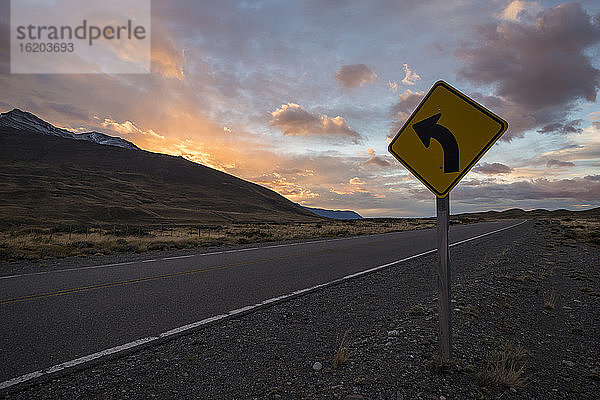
pixel 492 169
pixel 564 128
pixel 540 70
pixel 557 163
pixel 353 76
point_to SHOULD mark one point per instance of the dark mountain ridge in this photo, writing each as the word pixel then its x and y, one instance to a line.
pixel 49 179
pixel 22 120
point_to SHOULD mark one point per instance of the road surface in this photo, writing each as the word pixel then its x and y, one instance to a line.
pixel 52 317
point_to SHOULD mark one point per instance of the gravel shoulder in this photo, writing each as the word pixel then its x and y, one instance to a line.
pixel 528 288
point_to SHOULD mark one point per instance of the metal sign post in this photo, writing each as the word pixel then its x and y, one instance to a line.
pixel 445 328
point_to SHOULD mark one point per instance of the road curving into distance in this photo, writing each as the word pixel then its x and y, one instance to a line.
pixel 51 318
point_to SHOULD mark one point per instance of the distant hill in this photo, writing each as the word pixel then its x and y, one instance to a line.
pixel 517 213
pixel 49 179
pixel 335 214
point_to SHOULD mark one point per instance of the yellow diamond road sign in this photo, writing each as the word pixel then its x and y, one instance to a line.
pixel 444 137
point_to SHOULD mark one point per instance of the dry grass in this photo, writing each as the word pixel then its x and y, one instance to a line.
pixel 505 367
pixel 549 301
pixel 472 311
pixel 39 243
pixel 583 229
pixel 440 363
pixel 342 353
pixel 416 311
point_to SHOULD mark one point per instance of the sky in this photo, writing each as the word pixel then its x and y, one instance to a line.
pixel 303 97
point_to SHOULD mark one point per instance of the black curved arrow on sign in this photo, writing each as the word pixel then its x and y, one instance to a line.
pixel 428 129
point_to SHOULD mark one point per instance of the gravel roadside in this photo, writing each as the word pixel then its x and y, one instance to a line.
pixel 529 294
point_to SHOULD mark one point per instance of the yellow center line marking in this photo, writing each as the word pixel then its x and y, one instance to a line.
pixel 154 277
pixel 169 275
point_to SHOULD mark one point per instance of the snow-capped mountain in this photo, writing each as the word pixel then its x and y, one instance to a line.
pixel 25 121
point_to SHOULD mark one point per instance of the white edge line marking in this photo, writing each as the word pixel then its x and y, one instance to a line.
pixel 201 255
pixel 139 342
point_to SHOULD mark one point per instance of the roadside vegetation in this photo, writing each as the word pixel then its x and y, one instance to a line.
pixel 505 367
pixel 36 243
pixel 30 242
pixel 580 229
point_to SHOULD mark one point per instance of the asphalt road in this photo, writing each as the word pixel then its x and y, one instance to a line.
pixel 47 319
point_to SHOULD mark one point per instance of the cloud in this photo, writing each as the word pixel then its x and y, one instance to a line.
pixel 285 187
pixel 68 110
pixel 492 169
pixel 375 160
pixel 295 171
pixel 583 148
pixel 355 186
pixel 564 128
pixel 128 128
pixel 400 111
pixel 356 181
pixel 355 75
pixel 519 9
pixel 540 70
pixel 393 86
pixel 166 59
pixel 557 163
pixel 576 189
pixel 409 77
pixel 293 120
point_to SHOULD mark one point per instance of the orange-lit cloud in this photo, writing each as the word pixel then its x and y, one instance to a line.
pixel 128 128
pixel 518 9
pixel 410 77
pixel 293 120
pixel 166 58
pixel 286 187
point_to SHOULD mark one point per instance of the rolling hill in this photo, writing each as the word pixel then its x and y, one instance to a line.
pixel 517 213
pixel 49 179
